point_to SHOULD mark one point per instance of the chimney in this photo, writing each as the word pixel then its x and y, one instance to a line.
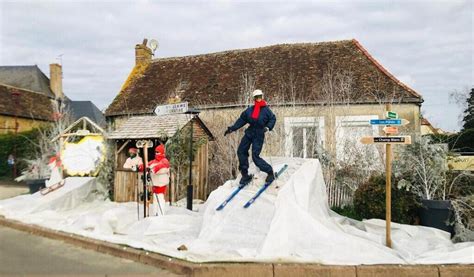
pixel 56 80
pixel 143 54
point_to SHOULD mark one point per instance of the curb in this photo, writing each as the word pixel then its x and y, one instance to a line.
pixel 178 266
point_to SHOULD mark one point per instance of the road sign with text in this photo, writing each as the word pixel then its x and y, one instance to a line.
pixel 391 115
pixel 172 109
pixel 386 140
pixel 390 130
pixel 397 122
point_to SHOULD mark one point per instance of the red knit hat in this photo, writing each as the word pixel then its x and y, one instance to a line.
pixel 160 149
pixel 133 150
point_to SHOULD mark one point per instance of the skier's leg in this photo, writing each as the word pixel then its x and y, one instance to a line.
pixel 161 204
pixel 257 146
pixel 243 155
pixel 155 208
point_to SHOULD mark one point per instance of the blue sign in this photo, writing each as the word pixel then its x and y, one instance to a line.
pixel 386 121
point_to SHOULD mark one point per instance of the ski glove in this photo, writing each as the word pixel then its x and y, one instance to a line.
pixel 228 131
pixel 266 129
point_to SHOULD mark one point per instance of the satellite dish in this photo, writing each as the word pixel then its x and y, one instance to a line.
pixel 153 45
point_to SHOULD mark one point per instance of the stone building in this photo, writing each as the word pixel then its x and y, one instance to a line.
pixel 25 91
pixel 322 93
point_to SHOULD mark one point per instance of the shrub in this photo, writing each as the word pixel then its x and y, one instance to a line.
pixel 26 148
pixel 347 211
pixel 369 201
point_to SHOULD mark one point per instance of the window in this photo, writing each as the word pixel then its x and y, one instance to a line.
pixel 349 130
pixel 304 136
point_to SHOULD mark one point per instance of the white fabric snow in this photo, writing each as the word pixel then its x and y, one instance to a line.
pixel 290 222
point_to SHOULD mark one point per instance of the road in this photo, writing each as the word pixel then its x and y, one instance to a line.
pixel 23 253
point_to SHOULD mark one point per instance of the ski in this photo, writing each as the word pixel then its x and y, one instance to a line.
pixel 52 188
pixel 264 187
pixel 232 195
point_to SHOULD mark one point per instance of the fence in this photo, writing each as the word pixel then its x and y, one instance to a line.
pixel 339 196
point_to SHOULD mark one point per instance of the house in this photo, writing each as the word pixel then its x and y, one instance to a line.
pixel 34 94
pixel 428 129
pixel 322 93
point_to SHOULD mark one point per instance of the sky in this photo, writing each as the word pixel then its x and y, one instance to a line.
pixel 428 45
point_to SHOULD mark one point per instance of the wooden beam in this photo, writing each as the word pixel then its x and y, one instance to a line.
pixel 122 147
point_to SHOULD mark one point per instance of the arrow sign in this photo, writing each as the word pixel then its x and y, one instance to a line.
pixel 398 122
pixel 390 130
pixel 172 109
pixel 386 140
pixel 391 115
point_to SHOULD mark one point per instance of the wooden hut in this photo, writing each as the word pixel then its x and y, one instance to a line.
pixel 161 129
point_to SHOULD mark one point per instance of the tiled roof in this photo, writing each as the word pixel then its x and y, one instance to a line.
pixel 28 77
pixel 141 127
pixel 79 109
pixel 279 70
pixel 30 104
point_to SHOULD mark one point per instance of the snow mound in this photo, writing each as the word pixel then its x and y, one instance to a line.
pixel 290 222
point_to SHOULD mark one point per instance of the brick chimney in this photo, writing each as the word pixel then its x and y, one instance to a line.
pixel 143 54
pixel 56 80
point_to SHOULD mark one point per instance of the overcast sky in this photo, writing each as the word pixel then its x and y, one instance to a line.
pixel 426 44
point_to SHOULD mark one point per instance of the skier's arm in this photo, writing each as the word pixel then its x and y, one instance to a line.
pixel 271 122
pixel 239 123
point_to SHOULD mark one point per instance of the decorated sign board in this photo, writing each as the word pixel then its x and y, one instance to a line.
pixel 83 157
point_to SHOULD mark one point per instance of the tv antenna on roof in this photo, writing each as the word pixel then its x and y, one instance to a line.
pixel 60 58
pixel 153 45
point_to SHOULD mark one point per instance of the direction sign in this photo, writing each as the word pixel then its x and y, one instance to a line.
pixel 390 130
pixel 397 122
pixel 391 115
pixel 172 108
pixel 386 140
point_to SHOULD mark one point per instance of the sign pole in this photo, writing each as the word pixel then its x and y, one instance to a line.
pixel 388 189
pixel 189 193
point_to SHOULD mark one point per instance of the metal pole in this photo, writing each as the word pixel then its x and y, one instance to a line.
pixel 388 189
pixel 189 195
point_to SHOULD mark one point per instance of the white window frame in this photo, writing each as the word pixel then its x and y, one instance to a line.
pixel 311 121
pixel 353 120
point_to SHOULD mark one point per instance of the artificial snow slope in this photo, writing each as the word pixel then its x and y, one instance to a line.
pixel 290 222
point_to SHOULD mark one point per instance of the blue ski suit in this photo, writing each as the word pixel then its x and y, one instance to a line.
pixel 255 136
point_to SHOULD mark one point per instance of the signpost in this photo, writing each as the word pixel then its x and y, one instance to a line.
pixel 391 115
pixel 396 122
pixel 390 130
pixel 391 140
pixel 391 119
pixel 172 108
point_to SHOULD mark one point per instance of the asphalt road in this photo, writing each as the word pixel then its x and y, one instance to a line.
pixel 23 253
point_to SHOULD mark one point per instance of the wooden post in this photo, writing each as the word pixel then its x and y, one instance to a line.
pixel 145 174
pixel 388 189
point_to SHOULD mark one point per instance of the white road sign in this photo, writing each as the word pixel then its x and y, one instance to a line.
pixel 172 108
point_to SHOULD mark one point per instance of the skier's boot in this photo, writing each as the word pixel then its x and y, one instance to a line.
pixel 270 177
pixel 246 178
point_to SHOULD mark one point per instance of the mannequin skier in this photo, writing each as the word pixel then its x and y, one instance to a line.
pixel 160 176
pixel 261 119
pixel 133 161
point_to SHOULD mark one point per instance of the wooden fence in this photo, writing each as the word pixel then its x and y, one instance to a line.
pixel 339 196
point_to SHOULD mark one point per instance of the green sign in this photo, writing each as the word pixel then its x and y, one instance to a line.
pixel 391 115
